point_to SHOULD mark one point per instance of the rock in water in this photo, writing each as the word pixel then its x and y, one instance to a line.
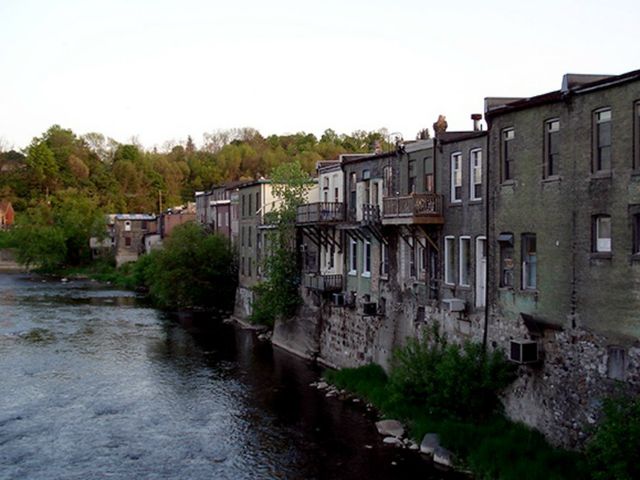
pixel 390 427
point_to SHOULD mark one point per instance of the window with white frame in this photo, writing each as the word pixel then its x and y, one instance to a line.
pixel 602 233
pixel 602 140
pixel 450 260
pixel 529 262
pixel 475 174
pixel 456 177
pixel 508 134
pixel 551 147
pixel 353 256
pixel 465 261
pixel 366 259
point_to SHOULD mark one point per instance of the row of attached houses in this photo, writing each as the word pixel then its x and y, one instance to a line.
pixel 524 237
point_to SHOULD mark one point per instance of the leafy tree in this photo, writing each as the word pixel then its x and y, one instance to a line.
pixel 193 269
pixel 278 296
pixel 613 450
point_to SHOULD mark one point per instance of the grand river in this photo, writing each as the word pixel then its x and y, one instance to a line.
pixel 96 385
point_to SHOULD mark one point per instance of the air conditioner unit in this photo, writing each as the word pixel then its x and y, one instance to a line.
pixel 370 308
pixel 523 351
pixel 338 299
pixel 454 304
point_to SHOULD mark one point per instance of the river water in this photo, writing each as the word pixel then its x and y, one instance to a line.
pixel 95 385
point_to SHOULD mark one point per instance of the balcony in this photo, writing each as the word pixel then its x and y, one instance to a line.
pixel 418 208
pixel 320 213
pixel 370 214
pixel 323 283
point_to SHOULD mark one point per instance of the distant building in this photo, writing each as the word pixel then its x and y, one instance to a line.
pixel 130 231
pixel 7 215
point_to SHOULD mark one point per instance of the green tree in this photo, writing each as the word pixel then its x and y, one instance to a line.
pixel 193 269
pixel 278 296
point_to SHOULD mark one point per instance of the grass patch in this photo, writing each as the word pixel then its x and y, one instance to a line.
pixel 493 448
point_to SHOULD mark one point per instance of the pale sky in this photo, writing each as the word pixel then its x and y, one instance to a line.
pixel 162 70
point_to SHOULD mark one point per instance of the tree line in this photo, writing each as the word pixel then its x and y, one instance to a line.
pixel 124 177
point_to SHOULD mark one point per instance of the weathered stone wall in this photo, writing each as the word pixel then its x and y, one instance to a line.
pixel 244 300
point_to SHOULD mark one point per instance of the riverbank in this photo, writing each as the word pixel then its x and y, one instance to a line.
pixel 492 448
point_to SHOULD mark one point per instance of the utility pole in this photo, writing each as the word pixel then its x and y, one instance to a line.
pixel 159 201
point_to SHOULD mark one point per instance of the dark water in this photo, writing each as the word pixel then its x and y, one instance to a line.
pixel 95 385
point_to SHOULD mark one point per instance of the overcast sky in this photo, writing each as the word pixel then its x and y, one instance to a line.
pixel 162 70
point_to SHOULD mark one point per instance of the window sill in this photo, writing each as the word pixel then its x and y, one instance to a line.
pixel 635 257
pixel 601 175
pixel 475 201
pixel 455 203
pixel 529 291
pixel 449 285
pixel 365 274
pixel 601 255
pixel 508 183
pixel 552 179
pixel 384 278
pixel 352 273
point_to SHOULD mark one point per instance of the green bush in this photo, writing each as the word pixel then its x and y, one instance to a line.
pixel 447 379
pixel 613 450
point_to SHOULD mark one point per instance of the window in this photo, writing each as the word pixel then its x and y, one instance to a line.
pixel 449 260
pixel 367 191
pixel 257 201
pixel 412 258
pixel 636 135
pixel 422 263
pixel 456 177
pixel 602 141
pixel 143 224
pixel 353 257
pixel 635 225
pixel 388 181
pixel 325 183
pixel 475 175
pixel 529 262
pixel 249 267
pixel 428 174
pixel 249 237
pixel 465 261
pixel 331 252
pixel 352 190
pixel 242 236
pixel 243 201
pixel 505 241
pixel 250 211
pixel 551 147
pixel 412 176
pixel 507 153
pixel 366 260
pixel 242 266
pixel 127 226
pixel 375 195
pixel 336 195
pixel 602 233
pixel 384 260
pixel 127 241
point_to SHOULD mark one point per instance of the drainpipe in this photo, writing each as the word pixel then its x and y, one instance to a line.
pixel 487 226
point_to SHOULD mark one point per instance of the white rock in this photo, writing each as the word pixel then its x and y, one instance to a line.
pixel 392 441
pixel 390 427
pixel 322 385
pixel 443 457
pixel 430 442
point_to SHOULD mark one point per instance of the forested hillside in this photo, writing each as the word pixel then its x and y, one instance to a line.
pixel 119 177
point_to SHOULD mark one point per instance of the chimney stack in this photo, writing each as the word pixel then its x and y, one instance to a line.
pixel 476 117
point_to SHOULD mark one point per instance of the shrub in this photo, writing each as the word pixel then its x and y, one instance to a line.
pixel 613 450
pixel 447 379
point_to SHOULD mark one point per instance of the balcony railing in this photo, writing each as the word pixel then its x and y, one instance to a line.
pixel 323 283
pixel 320 212
pixel 416 205
pixel 370 214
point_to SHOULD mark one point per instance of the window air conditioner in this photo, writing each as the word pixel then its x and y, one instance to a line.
pixel 454 304
pixel 523 351
pixel 370 308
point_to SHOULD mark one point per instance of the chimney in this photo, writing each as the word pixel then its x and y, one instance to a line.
pixel 476 117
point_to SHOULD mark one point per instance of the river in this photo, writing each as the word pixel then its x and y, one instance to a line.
pixel 94 384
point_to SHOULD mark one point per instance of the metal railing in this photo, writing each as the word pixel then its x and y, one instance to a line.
pixel 415 205
pixel 323 283
pixel 320 212
pixel 370 214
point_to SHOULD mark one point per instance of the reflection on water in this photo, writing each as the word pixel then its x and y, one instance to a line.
pixel 96 385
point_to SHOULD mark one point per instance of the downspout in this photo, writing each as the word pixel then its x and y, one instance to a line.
pixel 487 226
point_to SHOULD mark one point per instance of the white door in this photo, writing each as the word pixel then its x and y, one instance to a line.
pixel 481 271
